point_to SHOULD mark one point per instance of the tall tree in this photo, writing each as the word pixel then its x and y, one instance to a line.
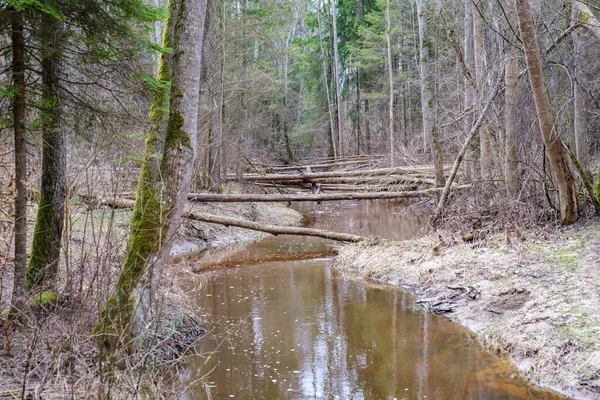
pixel 427 94
pixel 579 95
pixel 18 112
pixel 554 149
pixel 338 84
pixel 47 236
pixel 166 175
pixel 511 104
pixel 485 140
pixel 388 34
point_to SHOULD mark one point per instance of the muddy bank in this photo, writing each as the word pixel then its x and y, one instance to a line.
pixel 535 301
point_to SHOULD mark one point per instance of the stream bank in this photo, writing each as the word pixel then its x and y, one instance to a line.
pixel 533 299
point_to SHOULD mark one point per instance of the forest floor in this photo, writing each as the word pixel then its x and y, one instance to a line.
pixel 533 299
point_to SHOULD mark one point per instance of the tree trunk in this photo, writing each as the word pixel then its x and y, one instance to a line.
pixel 359 138
pixel 46 243
pixel 338 87
pixel 276 198
pixel 326 81
pixel 427 101
pixel 18 111
pixel 256 226
pixel 164 182
pixel 485 151
pixel 391 81
pixel 469 96
pixel 579 120
pixel 511 109
pixel 368 146
pixel 554 149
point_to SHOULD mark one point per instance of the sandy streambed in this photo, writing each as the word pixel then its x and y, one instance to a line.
pixel 536 301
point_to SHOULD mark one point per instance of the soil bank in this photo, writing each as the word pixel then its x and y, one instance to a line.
pixel 532 297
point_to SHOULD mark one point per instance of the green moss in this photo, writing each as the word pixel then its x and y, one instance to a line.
pixel 38 272
pixel 146 223
pixel 585 17
pixel 45 298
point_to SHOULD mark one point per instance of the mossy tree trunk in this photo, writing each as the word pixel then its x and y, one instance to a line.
pixel 46 244
pixel 166 174
pixel 427 96
pixel 558 162
pixel 18 111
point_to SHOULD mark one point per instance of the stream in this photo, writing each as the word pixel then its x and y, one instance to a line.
pixel 285 325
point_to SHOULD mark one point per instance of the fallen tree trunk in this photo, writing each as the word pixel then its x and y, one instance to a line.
pixel 381 180
pixel 255 226
pixel 319 166
pixel 241 198
pixel 277 230
pixel 335 174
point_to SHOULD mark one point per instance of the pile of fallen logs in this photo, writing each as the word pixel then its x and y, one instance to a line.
pixel 351 178
pixel 344 176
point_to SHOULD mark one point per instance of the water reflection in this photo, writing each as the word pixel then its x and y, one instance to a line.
pixel 297 329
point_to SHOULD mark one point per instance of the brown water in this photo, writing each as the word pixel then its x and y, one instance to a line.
pixel 287 326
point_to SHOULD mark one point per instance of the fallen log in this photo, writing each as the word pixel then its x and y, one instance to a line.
pixel 278 230
pixel 242 198
pixel 382 180
pixel 318 166
pixel 255 226
pixel 334 174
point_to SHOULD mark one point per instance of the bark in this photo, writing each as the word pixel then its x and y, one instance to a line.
pixel 579 120
pixel 511 110
pixel 554 149
pixel 274 198
pixel 210 166
pixel 338 87
pixel 18 112
pixel 334 174
pixel 164 182
pixel 326 81
pixel 427 101
pixel 46 242
pixel 485 151
pixel 341 164
pixel 391 82
pixel 367 128
pixel 278 230
pixel 469 97
pixel 359 137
